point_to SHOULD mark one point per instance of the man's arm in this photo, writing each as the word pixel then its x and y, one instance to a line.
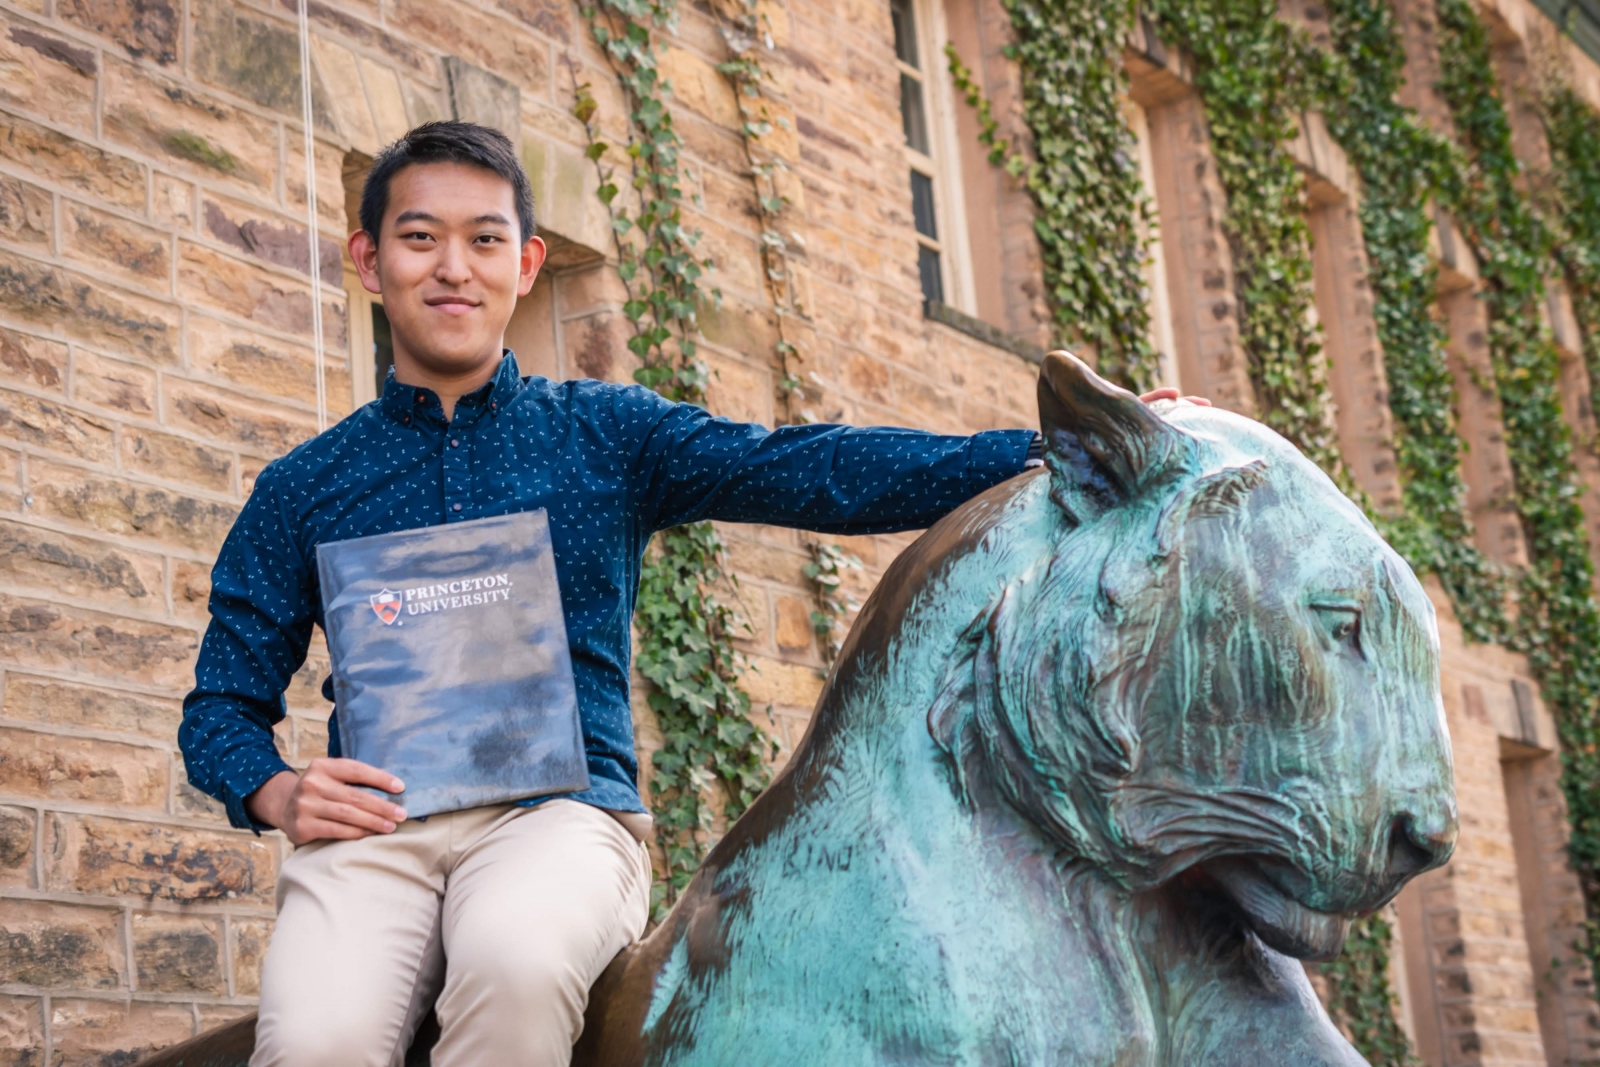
pixel 834 479
pixel 262 612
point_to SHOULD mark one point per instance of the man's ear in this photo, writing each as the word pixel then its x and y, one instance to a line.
pixel 533 255
pixel 364 254
pixel 1103 444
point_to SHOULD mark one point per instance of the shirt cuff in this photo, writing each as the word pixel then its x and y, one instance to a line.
pixel 244 773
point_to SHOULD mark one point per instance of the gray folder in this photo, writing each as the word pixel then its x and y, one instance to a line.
pixel 450 661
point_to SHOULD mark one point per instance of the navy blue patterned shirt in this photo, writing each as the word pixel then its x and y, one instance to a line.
pixel 611 464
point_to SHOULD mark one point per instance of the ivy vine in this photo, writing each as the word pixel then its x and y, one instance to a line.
pixel 709 745
pixel 834 603
pixel 1558 625
pixel 1091 213
pixel 1573 130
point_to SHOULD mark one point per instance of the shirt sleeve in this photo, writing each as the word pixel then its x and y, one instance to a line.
pixel 691 465
pixel 262 611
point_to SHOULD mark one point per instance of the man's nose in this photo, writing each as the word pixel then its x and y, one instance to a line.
pixel 1421 841
pixel 452 266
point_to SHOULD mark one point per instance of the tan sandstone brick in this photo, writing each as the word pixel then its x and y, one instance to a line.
pixel 47 636
pixel 61 946
pixel 26 214
pixel 191 591
pixel 794 624
pixel 47 561
pixel 250 938
pixel 192 132
pixel 97 1033
pixel 49 425
pixel 256 58
pixel 55 157
pixel 36 362
pixel 21 1032
pixel 131 250
pixel 480 39
pixel 31 699
pixel 113 504
pixel 113 383
pixel 177 459
pixel 190 803
pixel 149 29
pixel 46 74
pixel 224 416
pixel 177 954
pixel 265 366
pixel 16 847
pixel 118 857
pixel 212 279
pixel 88 309
pixel 52 767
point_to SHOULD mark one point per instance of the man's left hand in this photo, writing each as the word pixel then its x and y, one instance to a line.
pixel 1169 393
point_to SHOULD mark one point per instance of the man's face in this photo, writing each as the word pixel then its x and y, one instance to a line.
pixel 449 265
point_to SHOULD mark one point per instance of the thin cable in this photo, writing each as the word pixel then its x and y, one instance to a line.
pixel 311 214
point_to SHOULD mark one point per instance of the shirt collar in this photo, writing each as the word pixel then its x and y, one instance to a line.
pixel 404 403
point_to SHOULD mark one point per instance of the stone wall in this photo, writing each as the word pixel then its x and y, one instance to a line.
pixel 155 324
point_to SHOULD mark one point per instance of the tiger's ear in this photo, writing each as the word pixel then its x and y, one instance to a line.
pixel 1104 446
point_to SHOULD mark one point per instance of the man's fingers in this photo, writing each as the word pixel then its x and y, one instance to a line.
pixel 1164 393
pixel 357 773
pixel 356 798
pixel 351 815
pixel 316 829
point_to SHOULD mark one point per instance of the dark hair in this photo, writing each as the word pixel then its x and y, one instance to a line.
pixel 447 142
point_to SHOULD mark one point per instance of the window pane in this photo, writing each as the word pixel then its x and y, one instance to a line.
pixel 382 348
pixel 928 268
pixel 905 32
pixel 913 117
pixel 922 205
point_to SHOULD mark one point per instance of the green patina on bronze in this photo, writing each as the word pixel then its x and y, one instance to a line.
pixel 1107 747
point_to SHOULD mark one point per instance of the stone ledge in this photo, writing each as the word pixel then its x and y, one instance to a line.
pixel 982 331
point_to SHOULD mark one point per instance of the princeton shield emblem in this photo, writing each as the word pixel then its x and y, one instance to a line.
pixel 386 605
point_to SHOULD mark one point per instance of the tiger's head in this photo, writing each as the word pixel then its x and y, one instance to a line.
pixel 1220 671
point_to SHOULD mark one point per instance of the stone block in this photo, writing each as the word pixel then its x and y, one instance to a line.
pixel 386 100
pixel 113 383
pixel 263 366
pixel 62 159
pixel 597 347
pixel 21 1032
pixel 99 1033
pixel 210 278
pixel 47 74
pixel 25 214
pixel 794 624
pixel 113 504
pixel 16 849
pixel 36 362
pixel 341 74
pixel 256 58
pixel 59 703
pixel 698 86
pixel 177 459
pixel 36 293
pixel 775 682
pixel 52 767
pixel 269 237
pixel 223 416
pixel 53 426
pixel 131 250
pixel 60 946
pixel 330 189
pixel 250 937
pixel 310 737
pixel 146 29
pixel 481 96
pixel 551 18
pixel 120 858
pixel 177 954
pixel 53 562
pixel 172 201
pixel 191 591
pixel 47 636
pixel 195 133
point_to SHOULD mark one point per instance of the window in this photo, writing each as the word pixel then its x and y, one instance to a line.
pixel 927 120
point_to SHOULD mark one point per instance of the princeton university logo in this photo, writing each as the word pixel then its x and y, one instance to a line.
pixel 386 605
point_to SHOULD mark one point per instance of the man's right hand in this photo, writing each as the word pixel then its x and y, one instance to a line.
pixel 323 802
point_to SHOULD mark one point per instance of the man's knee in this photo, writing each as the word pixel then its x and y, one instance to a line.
pixel 329 1038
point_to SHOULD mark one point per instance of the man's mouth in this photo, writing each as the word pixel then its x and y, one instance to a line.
pixel 1279 920
pixel 452 305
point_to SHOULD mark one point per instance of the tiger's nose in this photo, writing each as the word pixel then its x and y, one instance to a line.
pixel 1420 844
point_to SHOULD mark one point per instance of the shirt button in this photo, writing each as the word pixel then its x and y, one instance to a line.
pixel 454 442
pixel 456 506
pixel 421 398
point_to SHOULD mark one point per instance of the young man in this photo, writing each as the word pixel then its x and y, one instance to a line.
pixel 527 902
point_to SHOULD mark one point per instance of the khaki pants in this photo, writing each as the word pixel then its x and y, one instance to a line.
pixel 529 905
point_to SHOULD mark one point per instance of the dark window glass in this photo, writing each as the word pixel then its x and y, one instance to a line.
pixel 382 347
pixel 922 205
pixel 928 269
pixel 905 32
pixel 913 117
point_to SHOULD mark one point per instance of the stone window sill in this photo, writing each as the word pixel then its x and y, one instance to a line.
pixel 982 331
